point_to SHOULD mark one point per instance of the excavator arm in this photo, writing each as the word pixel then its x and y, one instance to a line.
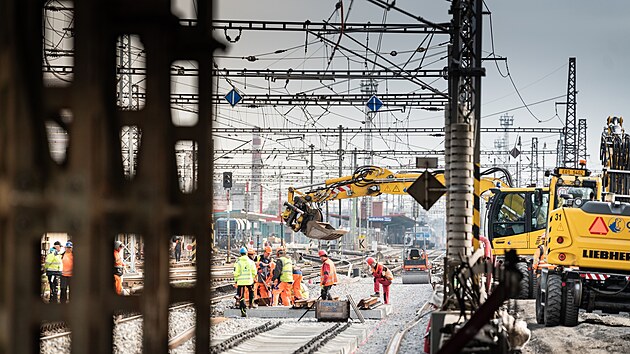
pixel 303 214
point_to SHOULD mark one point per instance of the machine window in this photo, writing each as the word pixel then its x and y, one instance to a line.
pixel 539 212
pixel 511 215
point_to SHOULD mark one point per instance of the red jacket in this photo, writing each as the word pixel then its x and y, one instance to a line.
pixel 328 273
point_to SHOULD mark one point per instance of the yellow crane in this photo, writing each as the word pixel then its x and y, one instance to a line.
pixel 303 213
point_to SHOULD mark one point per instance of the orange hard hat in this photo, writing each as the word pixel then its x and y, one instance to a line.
pixel 251 251
pixel 322 253
pixel 268 249
pixel 370 261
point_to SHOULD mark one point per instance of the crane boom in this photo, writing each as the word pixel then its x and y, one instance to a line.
pixel 302 212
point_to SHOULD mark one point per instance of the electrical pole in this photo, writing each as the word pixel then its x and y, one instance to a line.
pixel 533 177
pixel 570 145
pixel 581 142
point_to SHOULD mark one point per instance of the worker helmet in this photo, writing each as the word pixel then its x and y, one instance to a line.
pixel 370 261
pixel 280 251
pixel 268 249
pixel 323 253
pixel 251 251
pixel 68 244
pixel 117 245
pixel 243 250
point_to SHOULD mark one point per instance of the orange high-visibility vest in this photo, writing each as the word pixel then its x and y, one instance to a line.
pixel 328 273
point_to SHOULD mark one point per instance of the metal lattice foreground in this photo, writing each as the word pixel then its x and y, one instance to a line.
pixel 87 195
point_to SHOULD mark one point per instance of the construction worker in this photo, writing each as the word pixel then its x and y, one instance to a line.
pixel 119 266
pixel 382 276
pixel 178 249
pixel 244 274
pixel 297 284
pixel 283 278
pixel 67 260
pixel 328 275
pixel 263 277
pixel 53 266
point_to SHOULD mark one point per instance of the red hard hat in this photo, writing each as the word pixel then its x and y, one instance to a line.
pixel 370 261
pixel 322 253
pixel 267 249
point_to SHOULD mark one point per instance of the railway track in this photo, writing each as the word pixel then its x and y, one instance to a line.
pixel 292 337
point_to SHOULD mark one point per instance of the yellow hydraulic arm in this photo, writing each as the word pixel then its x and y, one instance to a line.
pixel 302 214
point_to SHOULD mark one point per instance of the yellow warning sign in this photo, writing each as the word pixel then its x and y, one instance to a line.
pixel 386 188
pixel 560 228
pixel 396 189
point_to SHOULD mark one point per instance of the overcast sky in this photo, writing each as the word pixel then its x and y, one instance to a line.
pixel 536 36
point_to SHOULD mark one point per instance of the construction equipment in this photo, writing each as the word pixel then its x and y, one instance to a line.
pixel 587 243
pixel 516 218
pixel 303 213
pixel 416 267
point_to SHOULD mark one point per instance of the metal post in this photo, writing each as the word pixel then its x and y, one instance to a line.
pixel 311 167
pixel 229 236
pixel 353 216
pixel 340 152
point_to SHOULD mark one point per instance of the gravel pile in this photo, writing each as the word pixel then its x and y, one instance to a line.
pixel 54 346
pixel 128 335
pixel 406 301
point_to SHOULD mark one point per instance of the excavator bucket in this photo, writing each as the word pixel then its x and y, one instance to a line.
pixel 323 231
pixel 416 277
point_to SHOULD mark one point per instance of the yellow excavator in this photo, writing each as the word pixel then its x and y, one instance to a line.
pixel 516 218
pixel 303 213
pixel 587 245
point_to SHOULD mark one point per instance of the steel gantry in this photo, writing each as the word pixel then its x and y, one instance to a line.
pixel 294 152
pixel 377 130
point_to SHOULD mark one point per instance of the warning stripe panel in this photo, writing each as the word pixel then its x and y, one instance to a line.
pixel 597 276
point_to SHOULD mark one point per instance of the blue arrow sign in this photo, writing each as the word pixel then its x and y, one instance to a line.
pixel 233 97
pixel 374 103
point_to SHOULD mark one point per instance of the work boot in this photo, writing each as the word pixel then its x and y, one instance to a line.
pixel 376 294
pixel 253 306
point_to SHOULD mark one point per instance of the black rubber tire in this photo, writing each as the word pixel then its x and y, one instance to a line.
pixel 571 310
pixel 553 301
pixel 540 310
pixel 523 292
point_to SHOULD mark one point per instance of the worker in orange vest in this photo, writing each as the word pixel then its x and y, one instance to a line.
pixel 66 273
pixel 263 277
pixel 382 276
pixel 297 283
pixel 283 278
pixel 328 275
pixel 118 267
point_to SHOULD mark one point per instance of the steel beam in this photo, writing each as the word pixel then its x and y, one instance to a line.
pixel 305 152
pixel 388 130
pixel 327 28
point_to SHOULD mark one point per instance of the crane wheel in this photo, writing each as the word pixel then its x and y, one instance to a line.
pixel 553 303
pixel 540 310
pixel 571 310
pixel 524 284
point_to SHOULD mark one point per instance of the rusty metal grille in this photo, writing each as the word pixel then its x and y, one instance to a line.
pixel 88 195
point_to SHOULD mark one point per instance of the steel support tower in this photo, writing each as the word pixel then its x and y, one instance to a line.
pixel 581 141
pixel 570 139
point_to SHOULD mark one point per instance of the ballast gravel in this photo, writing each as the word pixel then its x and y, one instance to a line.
pixel 406 300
